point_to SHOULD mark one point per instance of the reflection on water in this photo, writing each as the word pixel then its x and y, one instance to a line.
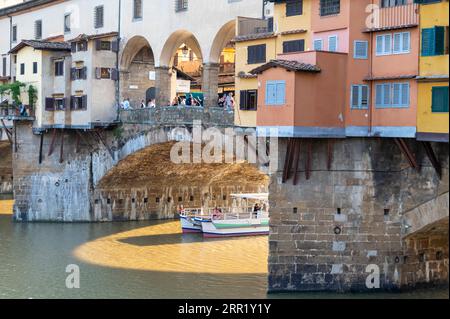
pixel 162 247
pixel 137 260
pixel 6 205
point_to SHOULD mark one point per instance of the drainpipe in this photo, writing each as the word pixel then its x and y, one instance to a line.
pixel 264 3
pixel 10 45
pixel 371 104
pixel 119 29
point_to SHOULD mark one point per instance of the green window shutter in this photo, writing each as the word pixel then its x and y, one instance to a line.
pixel 440 99
pixel 440 40
pixel 428 40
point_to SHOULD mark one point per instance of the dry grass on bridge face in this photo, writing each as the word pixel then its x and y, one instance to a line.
pixel 152 166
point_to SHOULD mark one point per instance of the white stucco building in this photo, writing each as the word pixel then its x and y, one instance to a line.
pixel 148 33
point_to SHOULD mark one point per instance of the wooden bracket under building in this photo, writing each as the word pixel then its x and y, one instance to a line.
pixel 41 145
pixel 308 160
pixel 433 158
pixel 407 153
pixel 61 151
pixel 330 153
pixel 288 160
pixel 52 143
pixel 8 132
pixel 101 139
pixel 297 149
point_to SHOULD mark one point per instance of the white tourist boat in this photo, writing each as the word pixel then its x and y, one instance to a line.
pixel 188 222
pixel 241 220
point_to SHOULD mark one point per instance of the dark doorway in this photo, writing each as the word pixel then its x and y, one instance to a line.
pixel 150 94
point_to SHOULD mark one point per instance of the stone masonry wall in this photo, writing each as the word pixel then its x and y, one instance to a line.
pixel 6 176
pixel 155 203
pixel 136 80
pixel 325 231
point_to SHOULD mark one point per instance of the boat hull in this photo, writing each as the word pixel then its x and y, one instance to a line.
pixel 189 226
pixel 235 228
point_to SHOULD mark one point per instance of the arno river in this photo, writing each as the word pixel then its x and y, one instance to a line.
pixel 137 260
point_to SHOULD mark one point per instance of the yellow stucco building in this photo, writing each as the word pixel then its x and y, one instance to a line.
pixel 433 112
pixel 259 41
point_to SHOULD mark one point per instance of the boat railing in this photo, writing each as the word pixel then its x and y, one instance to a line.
pixel 242 215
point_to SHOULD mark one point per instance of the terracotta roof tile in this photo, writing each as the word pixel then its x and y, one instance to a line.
pixel 42 45
pixel 254 36
pixel 288 65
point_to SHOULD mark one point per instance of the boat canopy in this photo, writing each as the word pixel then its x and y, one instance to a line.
pixel 256 196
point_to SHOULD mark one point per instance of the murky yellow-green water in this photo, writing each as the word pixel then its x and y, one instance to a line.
pixel 137 260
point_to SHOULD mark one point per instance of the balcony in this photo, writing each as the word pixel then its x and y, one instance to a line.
pixel 252 28
pixel 398 17
pixel 12 113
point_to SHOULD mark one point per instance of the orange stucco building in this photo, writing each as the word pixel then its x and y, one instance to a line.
pixel 366 54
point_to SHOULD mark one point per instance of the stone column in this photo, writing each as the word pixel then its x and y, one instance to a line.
pixel 210 83
pixel 163 85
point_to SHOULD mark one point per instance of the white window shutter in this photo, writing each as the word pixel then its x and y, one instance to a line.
pixel 405 94
pixel 387 44
pixel 397 43
pixel 333 44
pixel 406 41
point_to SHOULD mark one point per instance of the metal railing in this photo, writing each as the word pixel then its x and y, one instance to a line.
pixel 230 213
pixel 250 26
pixel 8 112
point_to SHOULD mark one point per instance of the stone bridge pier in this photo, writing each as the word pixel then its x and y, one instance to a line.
pixel 6 172
pixel 345 209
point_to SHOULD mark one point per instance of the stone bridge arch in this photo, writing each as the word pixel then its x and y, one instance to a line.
pixel 165 91
pixel 426 240
pixel 142 183
pixel 137 70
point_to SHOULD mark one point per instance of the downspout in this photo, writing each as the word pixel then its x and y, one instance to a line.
pixel 10 45
pixel 371 104
pixel 264 2
pixel 119 30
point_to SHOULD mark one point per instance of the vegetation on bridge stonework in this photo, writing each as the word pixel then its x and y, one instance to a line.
pixel 152 166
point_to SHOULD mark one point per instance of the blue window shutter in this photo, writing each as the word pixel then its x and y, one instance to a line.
pixel 439 33
pixel 379 95
pixel 428 40
pixel 396 94
pixel 281 93
pixel 379 44
pixel 387 89
pixel 355 97
pixel 439 99
pixel 270 93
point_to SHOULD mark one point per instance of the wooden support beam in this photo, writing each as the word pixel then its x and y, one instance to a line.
pixel 297 159
pixel 84 139
pixel 61 150
pixel 407 153
pixel 433 158
pixel 330 153
pixel 8 132
pixel 308 159
pixel 288 160
pixel 52 143
pixel 77 143
pixel 41 145
pixel 104 143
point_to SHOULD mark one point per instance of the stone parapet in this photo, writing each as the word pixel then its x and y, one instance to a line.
pixel 174 116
